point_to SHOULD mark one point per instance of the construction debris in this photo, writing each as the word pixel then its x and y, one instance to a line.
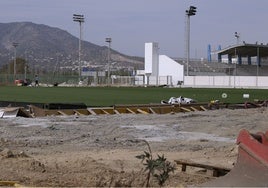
pixel 178 100
pixel 9 184
pixel 9 112
pixel 58 109
pixel 216 170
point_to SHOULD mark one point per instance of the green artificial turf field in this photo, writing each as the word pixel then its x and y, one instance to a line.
pixel 108 96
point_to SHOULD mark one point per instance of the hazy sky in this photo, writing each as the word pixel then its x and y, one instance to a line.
pixel 131 23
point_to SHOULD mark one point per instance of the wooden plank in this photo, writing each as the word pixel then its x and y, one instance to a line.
pixel 62 113
pixel 104 111
pixel 116 111
pixel 185 109
pixel 9 183
pixel 78 113
pixel 217 171
pixel 91 111
pixel 152 111
pixel 142 111
pixel 203 108
pixel 82 111
pixel 131 111
pixel 194 109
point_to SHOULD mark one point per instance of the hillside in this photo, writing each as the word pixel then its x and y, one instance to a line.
pixel 45 47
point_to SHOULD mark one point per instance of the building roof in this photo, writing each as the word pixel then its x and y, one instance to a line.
pixel 245 50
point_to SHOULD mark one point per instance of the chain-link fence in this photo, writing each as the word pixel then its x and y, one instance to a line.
pixel 8 79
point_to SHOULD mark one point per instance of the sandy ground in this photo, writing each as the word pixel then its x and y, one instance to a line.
pixel 100 150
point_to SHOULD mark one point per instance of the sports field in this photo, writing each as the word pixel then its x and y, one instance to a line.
pixel 108 96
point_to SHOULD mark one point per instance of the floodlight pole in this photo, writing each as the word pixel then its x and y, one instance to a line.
pixel 109 40
pixel 190 12
pixel 258 61
pixel 188 45
pixel 237 36
pixel 80 19
pixel 25 67
pixel 15 45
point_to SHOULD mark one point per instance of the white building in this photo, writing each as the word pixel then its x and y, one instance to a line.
pixel 160 69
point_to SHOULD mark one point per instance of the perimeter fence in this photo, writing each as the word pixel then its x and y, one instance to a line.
pixel 8 79
pixel 63 80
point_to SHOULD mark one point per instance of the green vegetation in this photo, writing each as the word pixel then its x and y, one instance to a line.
pixel 107 96
pixel 159 168
pixel 21 64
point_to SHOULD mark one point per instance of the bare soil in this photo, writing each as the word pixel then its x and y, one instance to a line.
pixel 83 151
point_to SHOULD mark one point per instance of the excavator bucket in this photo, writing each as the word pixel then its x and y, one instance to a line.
pixel 251 168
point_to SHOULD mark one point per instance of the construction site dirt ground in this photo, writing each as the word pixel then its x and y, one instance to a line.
pixel 100 150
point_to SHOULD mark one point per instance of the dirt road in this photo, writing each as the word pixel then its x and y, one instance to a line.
pixel 100 150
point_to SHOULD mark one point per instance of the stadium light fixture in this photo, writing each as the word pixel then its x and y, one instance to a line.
pixel 80 19
pixel 237 36
pixel 190 12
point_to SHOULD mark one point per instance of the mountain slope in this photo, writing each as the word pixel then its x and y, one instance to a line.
pixel 44 47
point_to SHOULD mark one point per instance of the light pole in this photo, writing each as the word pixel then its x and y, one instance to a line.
pixel 80 19
pixel 190 12
pixel 15 44
pixel 258 62
pixel 25 67
pixel 237 36
pixel 109 40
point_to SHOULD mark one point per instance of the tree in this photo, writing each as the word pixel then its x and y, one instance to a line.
pixel 20 67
